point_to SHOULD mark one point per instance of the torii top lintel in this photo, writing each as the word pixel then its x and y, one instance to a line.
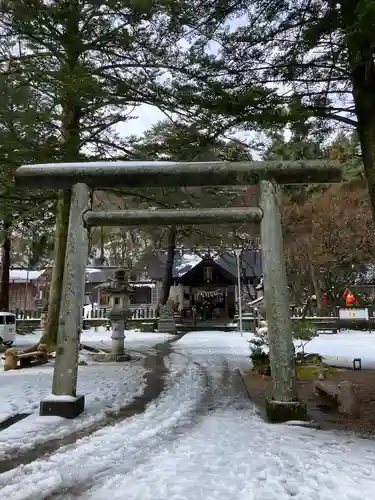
pixel 134 174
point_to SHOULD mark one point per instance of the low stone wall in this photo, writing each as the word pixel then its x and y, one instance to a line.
pixel 130 324
pixel 27 325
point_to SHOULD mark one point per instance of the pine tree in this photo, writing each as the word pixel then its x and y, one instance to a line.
pixel 321 52
pixel 91 62
pixel 25 137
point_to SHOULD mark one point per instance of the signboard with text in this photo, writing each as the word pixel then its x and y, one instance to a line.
pixel 360 313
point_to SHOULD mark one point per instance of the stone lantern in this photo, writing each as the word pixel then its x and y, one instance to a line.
pixel 120 292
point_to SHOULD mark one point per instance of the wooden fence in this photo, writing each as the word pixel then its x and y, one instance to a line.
pixel 98 317
pixel 138 312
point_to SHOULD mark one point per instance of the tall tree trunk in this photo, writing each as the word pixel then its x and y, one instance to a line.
pixel 168 270
pixel 316 287
pixel 360 41
pixel 366 133
pixel 70 149
pixel 55 291
pixel 6 246
pixel 102 259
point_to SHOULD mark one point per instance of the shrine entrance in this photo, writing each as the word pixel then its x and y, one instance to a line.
pixel 211 304
pixel 83 178
pixel 210 290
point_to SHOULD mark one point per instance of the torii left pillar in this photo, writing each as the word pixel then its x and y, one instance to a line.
pixel 64 401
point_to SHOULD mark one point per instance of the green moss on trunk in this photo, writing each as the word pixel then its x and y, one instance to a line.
pixel 55 293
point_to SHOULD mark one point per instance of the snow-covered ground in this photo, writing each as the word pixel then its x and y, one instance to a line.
pixel 341 349
pixel 212 348
pixel 100 337
pixel 134 339
pixel 107 387
pixel 229 344
pixel 202 439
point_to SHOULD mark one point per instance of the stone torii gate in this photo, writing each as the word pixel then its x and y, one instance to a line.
pixel 83 178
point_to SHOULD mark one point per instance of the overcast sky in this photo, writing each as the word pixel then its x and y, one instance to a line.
pixel 146 116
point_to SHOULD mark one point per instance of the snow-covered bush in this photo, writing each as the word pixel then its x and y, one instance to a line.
pixel 259 349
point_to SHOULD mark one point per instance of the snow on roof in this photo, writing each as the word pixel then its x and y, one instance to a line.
pixel 137 284
pixel 23 274
pixel 104 164
pixel 184 263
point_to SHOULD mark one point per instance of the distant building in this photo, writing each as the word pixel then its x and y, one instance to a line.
pixel 209 282
pixel 28 289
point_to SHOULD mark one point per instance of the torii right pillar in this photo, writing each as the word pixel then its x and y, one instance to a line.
pixel 284 404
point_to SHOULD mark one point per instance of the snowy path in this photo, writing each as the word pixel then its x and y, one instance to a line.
pixel 107 388
pixel 201 439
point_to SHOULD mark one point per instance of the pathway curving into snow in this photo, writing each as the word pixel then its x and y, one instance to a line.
pixel 202 439
pixel 107 387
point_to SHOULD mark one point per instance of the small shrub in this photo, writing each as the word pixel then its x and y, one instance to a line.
pixel 313 359
pixel 304 332
pixel 259 351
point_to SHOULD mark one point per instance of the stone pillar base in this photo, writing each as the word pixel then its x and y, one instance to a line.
pixel 117 350
pixel 284 411
pixel 167 325
pixel 117 357
pixel 62 406
pixel 248 323
pixel 147 326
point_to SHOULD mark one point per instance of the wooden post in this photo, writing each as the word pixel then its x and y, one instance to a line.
pixel 283 405
pixel 66 365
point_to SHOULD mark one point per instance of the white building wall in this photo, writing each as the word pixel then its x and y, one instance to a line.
pixel 155 294
pixel 174 293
